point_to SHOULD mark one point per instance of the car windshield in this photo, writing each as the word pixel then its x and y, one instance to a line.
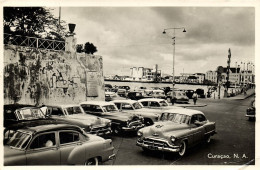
pixel 74 110
pixel 29 114
pixel 175 117
pixel 163 103
pixel 19 140
pixel 109 108
pixel 137 105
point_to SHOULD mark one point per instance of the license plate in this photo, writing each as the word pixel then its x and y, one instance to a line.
pixel 153 147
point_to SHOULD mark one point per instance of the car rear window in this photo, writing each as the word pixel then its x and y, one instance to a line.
pixel 68 137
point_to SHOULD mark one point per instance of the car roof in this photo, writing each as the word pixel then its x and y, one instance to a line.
pixel 184 111
pixel 50 127
pixel 124 101
pixel 151 99
pixel 97 103
pixel 64 105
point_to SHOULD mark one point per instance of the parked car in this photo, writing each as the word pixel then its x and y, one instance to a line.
pixel 135 95
pixel 179 97
pixel 201 93
pixel 75 115
pixel 109 86
pixel 123 90
pixel 134 107
pixel 158 94
pixel 56 144
pixel 189 93
pixel 250 112
pixel 154 103
pixel 18 116
pixel 109 95
pixel 177 130
pixel 121 122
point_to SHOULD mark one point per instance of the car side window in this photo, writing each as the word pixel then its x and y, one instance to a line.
pixel 86 107
pixel 118 105
pixel 43 140
pixel 126 106
pixel 193 119
pixel 201 118
pixel 68 137
pixel 144 103
pixel 155 104
pixel 97 109
pixel 56 111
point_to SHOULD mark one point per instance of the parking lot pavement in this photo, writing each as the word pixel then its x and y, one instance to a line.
pixel 235 138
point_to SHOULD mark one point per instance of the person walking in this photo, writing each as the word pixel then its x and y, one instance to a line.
pixel 195 97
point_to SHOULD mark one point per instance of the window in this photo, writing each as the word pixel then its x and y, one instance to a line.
pixel 201 117
pixel 44 140
pixel 193 119
pixel 126 106
pixel 56 111
pixel 118 105
pixel 68 137
pixel 144 103
pixel 155 104
pixel 74 110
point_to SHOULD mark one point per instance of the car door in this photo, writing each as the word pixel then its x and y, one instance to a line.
pixel 43 150
pixel 68 140
pixel 197 131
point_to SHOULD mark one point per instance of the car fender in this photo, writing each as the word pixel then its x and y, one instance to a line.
pixel 78 155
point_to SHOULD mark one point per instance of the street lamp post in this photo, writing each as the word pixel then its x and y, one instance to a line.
pixel 173 61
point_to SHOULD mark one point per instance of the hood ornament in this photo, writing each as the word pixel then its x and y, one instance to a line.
pixel 155 134
pixel 159 126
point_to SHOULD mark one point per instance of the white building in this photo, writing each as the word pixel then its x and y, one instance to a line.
pixel 145 74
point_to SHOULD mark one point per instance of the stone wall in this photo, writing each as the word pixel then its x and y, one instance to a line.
pixel 33 76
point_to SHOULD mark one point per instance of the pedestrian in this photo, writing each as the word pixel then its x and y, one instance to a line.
pixel 195 97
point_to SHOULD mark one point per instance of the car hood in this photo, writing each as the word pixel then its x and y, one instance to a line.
pixel 121 116
pixel 164 129
pixel 88 119
pixel 32 123
pixel 9 152
pixel 145 112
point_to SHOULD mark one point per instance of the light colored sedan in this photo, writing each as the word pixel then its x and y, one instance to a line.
pixel 177 130
pixel 56 144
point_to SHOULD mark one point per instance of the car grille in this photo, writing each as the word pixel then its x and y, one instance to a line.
pixel 99 129
pixel 154 142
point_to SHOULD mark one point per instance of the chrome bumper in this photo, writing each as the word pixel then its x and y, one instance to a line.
pixel 112 156
pixel 151 147
pixel 250 115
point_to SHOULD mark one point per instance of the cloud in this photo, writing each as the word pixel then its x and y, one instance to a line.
pixel 132 36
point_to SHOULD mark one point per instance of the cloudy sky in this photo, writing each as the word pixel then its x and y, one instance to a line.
pixel 132 36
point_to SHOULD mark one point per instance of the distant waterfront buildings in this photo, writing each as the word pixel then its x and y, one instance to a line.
pixel 145 74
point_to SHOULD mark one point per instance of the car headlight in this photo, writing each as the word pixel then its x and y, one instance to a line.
pixel 139 133
pixel 172 138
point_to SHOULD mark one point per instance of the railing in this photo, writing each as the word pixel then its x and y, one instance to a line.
pixel 34 42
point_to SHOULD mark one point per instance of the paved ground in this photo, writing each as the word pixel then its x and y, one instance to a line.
pixel 236 137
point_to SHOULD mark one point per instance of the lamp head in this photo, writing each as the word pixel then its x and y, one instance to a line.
pixel 184 30
pixel 164 32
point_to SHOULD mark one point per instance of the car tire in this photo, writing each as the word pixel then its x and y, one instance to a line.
pixel 92 161
pixel 183 148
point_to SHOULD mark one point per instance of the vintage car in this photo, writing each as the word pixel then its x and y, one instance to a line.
pixel 177 130
pixel 154 103
pixel 134 107
pixel 75 115
pixel 189 93
pixel 179 97
pixel 123 90
pixel 135 95
pixel 17 116
pixel 56 144
pixel 250 112
pixel 121 122
pixel 201 93
pixel 109 95
pixel 158 94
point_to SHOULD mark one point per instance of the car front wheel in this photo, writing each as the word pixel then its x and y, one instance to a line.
pixel 183 148
pixel 92 161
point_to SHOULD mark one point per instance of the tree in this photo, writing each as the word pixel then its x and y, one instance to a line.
pixel 89 48
pixel 33 21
